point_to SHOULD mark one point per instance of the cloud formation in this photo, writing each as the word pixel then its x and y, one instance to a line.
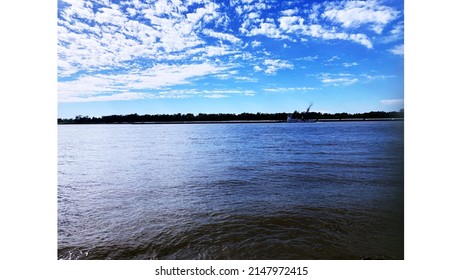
pixel 398 50
pixel 392 102
pixel 135 49
pixel 351 14
pixel 92 87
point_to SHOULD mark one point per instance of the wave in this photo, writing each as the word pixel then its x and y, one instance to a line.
pixel 299 233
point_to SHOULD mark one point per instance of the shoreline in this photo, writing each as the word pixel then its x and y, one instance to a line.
pixel 250 121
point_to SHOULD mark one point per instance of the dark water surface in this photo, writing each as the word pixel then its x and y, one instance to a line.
pixel 231 191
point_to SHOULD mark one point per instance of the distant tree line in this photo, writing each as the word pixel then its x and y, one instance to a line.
pixel 368 115
pixel 135 118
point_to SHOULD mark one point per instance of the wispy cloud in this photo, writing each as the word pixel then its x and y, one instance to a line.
pixel 138 49
pixel 85 88
pixel 216 95
pixel 229 91
pixel 255 44
pixel 247 79
pixel 268 29
pixel 377 77
pixel 308 58
pixel 344 18
pixel 392 102
pixel 346 64
pixel 273 65
pixel 92 39
pixel 398 50
pixel 334 58
pixel 169 93
pixel 339 81
pixel 348 79
pixel 109 97
pixel 289 89
pixel 351 14
pixel 222 36
pixel 395 34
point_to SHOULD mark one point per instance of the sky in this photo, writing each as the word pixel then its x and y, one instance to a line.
pixel 202 56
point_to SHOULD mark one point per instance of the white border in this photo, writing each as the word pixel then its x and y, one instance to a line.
pixel 28 147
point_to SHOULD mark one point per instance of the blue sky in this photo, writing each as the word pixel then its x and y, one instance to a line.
pixel 201 56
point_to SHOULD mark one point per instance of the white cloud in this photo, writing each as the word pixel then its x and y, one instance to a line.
pixel 216 95
pixel 113 40
pixel 207 13
pixel 145 41
pixel 395 34
pixel 223 36
pixel 111 16
pixel 294 26
pixel 398 29
pixel 378 77
pixel 176 93
pixel 274 65
pixel 228 91
pixel 349 14
pixel 314 12
pixel 255 44
pixel 111 97
pixel 131 11
pixel 392 102
pixel 211 51
pixel 290 12
pixel 291 24
pixel 361 39
pixel 339 81
pixel 174 29
pixel 268 29
pixel 288 89
pixel 257 68
pixel 309 58
pixel 345 64
pixel 223 93
pixel 398 50
pixel 318 31
pixel 81 9
pixel 347 79
pixel 333 58
pixel 253 15
pixel 246 79
pixel 352 14
pixel 87 88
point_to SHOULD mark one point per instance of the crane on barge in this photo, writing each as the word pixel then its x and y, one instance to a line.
pixel 304 116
